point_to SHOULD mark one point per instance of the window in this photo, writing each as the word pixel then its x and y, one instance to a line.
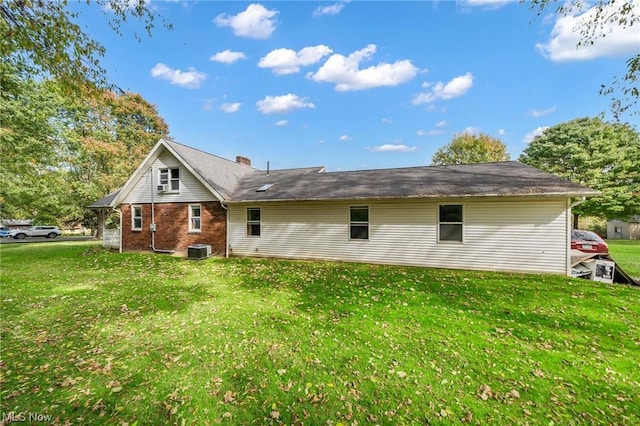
pixel 450 222
pixel 136 218
pixel 195 218
pixel 359 223
pixel 253 222
pixel 171 178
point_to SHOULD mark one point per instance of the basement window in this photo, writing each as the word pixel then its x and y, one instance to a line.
pixel 450 222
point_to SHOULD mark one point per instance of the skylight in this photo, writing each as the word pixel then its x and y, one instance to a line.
pixel 265 188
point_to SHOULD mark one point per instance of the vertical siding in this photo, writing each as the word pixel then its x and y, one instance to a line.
pixel 499 234
pixel 191 190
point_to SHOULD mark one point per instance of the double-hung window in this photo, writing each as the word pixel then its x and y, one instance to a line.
pixel 253 221
pixel 171 178
pixel 195 218
pixel 136 218
pixel 359 223
pixel 450 222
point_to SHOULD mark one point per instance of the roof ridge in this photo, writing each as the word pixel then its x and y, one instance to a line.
pixel 205 152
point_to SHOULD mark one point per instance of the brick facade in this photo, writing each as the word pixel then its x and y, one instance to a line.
pixel 172 228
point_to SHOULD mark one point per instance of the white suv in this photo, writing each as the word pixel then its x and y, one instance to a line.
pixel 36 231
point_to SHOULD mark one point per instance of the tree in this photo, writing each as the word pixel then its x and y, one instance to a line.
pixel 108 137
pixel 600 155
pixel 606 13
pixel 471 148
pixel 40 38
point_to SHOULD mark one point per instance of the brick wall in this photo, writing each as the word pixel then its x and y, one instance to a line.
pixel 172 228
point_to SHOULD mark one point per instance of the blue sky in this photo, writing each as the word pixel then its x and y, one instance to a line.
pixel 359 85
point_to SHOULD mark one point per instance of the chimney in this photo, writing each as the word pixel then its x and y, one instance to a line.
pixel 243 160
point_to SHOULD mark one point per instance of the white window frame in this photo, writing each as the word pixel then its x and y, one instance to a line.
pixel 134 217
pixel 192 218
pixel 166 177
pixel 359 223
pixel 253 222
pixel 461 223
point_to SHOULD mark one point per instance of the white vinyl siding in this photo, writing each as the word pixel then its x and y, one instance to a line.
pixel 190 188
pixel 502 234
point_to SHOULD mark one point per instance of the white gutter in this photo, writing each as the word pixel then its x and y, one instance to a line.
pixel 226 243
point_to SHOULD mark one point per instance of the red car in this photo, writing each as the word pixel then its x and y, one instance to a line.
pixel 588 242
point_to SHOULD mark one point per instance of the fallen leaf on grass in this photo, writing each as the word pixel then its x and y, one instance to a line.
pixel 485 392
pixel 229 396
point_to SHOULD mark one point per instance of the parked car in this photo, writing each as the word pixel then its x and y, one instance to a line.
pixel 36 231
pixel 588 242
pixel 4 232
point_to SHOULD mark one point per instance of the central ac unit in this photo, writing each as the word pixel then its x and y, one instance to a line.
pixel 162 188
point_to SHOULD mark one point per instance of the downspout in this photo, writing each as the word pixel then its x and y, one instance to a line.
pixel 226 243
pixel 153 220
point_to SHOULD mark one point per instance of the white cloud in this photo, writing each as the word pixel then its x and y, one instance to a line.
pixel 255 22
pixel 529 137
pixel 227 56
pixel 392 148
pixel 190 79
pixel 434 132
pixel 287 61
pixel 457 87
pixel 614 40
pixel 282 104
pixel 502 132
pixel 345 72
pixel 442 123
pixel 542 112
pixel 386 120
pixel 333 9
pixel 282 123
pixel 231 108
pixel 344 138
pixel 470 130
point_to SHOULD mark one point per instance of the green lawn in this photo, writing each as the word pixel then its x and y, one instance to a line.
pixel 94 337
pixel 627 254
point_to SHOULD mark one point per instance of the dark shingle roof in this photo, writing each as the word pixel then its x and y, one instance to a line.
pixel 221 174
pixel 509 178
pixel 104 202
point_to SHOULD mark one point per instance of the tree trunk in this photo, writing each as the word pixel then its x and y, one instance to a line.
pixel 101 215
pixel 575 220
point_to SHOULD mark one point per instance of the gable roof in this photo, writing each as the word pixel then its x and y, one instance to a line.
pixel 219 175
pixel 230 181
pixel 509 178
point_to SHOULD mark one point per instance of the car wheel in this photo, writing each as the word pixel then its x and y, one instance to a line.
pixel 20 236
pixel 52 235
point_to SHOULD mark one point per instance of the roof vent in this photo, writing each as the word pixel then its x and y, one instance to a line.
pixel 265 188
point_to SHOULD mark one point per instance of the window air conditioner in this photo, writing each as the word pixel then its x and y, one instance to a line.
pixel 162 188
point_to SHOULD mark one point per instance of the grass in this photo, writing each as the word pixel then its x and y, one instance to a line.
pixel 95 337
pixel 627 254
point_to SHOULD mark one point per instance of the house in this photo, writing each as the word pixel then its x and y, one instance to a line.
pixel 624 230
pixel 502 216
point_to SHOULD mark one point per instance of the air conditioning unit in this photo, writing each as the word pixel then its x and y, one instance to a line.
pixel 199 251
pixel 162 188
